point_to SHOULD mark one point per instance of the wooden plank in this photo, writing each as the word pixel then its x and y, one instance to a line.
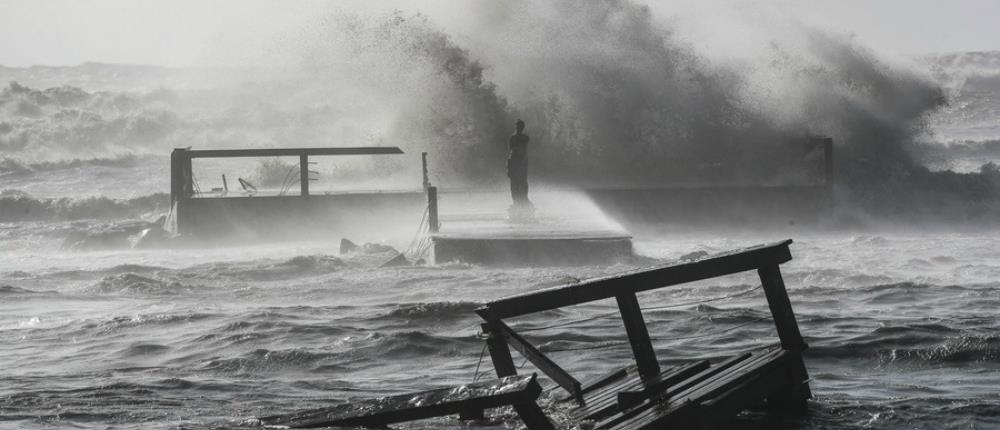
pixel 714 412
pixel 380 412
pixel 606 405
pixel 638 335
pixel 533 417
pixel 781 308
pixel 629 399
pixel 541 361
pixel 681 405
pixel 605 402
pixel 288 152
pixel 639 280
pixel 605 380
pixel 737 374
pixel 601 397
pixel 503 363
pixel 684 385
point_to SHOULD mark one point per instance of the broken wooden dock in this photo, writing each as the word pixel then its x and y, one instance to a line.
pixel 635 396
pixel 647 395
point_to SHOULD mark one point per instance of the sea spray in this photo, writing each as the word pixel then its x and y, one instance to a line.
pixel 612 93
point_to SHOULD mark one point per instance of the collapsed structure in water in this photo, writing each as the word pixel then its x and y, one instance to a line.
pixel 701 394
pixel 254 213
pixel 488 236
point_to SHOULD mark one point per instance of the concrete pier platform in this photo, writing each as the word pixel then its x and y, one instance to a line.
pixel 566 228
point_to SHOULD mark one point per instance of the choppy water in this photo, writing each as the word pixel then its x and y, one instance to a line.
pixel 902 329
pixel 902 324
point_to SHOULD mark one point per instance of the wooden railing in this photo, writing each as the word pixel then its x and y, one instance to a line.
pixel 765 259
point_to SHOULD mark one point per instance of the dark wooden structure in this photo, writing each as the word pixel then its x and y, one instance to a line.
pixel 647 395
pixel 517 391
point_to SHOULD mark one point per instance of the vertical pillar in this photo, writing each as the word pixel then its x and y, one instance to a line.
pixel 432 210
pixel 188 176
pixel 181 176
pixel 181 188
pixel 176 175
pixel 638 335
pixel 304 174
pixel 781 308
pixel 499 352
pixel 423 164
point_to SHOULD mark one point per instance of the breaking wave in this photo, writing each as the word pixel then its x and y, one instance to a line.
pixel 10 167
pixel 20 206
pixel 612 93
pixel 434 310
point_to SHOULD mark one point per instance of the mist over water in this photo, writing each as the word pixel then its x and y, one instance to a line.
pixel 613 96
pixel 896 292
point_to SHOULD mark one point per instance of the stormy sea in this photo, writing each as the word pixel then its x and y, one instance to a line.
pixel 896 289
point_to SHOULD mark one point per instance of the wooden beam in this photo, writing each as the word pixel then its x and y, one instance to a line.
pixel 293 152
pixel 503 363
pixel 541 361
pixel 519 391
pixel 639 280
pixel 638 335
pixel 533 416
pixel 781 308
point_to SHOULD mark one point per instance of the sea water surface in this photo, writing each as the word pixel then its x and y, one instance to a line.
pixel 901 322
pixel 902 329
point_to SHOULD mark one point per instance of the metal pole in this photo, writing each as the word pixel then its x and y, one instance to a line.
pixel 304 174
pixel 423 160
pixel 432 209
pixel 176 176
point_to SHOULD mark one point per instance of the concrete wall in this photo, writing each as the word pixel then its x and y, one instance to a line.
pixel 299 217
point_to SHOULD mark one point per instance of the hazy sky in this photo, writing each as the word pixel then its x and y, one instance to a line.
pixel 192 32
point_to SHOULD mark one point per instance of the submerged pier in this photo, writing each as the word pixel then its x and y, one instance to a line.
pixel 645 394
pixel 565 228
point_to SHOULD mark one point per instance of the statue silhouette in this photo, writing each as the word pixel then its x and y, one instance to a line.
pixel 517 166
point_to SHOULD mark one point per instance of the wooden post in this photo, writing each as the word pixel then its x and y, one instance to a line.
pixel 176 175
pixel 533 416
pixel 503 363
pixel 181 186
pixel 638 335
pixel 188 176
pixel 423 162
pixel 304 174
pixel 541 361
pixel 781 308
pixel 432 209
pixel 181 176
